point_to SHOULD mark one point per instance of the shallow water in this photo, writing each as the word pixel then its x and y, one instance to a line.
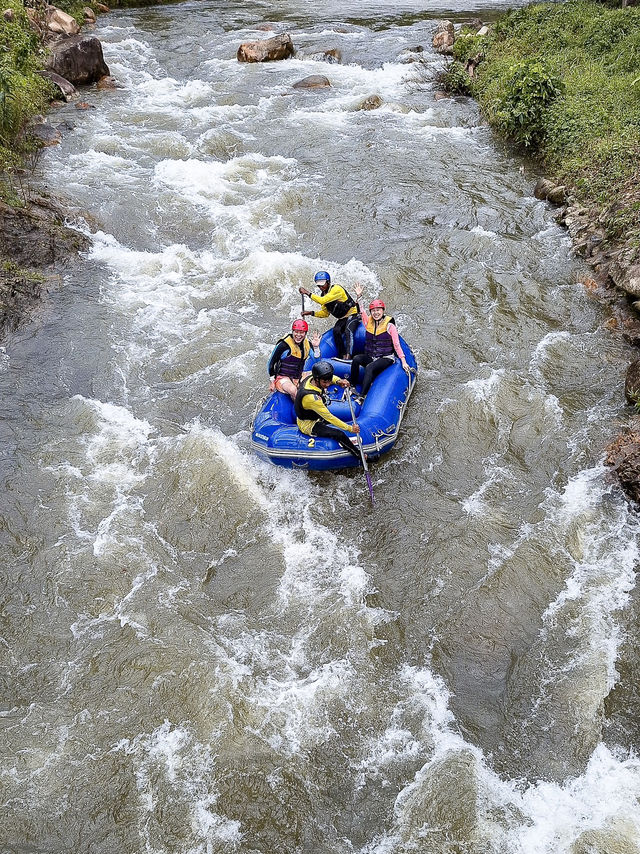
pixel 203 653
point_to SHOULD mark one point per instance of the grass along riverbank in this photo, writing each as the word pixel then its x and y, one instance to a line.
pixel 23 93
pixel 562 81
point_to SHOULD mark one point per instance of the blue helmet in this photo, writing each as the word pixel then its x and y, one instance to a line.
pixel 322 370
pixel 322 279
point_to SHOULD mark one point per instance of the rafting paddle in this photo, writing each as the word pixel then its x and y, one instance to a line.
pixel 360 448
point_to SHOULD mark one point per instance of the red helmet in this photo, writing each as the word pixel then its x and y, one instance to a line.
pixel 299 326
pixel 377 303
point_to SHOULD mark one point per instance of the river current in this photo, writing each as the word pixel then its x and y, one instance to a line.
pixel 202 653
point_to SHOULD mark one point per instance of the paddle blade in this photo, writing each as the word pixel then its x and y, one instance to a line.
pixel 370 485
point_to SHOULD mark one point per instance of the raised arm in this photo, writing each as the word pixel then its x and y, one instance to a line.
pixel 359 290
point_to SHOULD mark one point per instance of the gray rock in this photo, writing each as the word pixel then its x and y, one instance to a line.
pixel 332 56
pixel 68 90
pixel 45 134
pixel 78 59
pixel 313 81
pixel 542 188
pixel 557 195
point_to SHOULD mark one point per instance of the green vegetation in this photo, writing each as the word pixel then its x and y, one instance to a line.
pixel 23 92
pixel 456 80
pixel 562 80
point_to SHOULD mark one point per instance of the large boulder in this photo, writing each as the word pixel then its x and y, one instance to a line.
pixel 78 59
pixel 266 50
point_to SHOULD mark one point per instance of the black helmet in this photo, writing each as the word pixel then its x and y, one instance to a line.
pixel 322 370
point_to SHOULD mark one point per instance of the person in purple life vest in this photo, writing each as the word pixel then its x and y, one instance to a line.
pixel 381 345
pixel 286 364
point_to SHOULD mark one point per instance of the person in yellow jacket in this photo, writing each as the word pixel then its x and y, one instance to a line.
pixel 313 416
pixel 334 300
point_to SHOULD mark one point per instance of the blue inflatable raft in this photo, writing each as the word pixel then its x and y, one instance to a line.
pixel 276 438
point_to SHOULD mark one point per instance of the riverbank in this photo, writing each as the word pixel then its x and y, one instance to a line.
pixel 562 83
pixel 33 233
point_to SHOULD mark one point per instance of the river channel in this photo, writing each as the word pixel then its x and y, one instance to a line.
pixel 205 654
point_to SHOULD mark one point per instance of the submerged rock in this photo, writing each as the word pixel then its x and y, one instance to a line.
pixel 266 50
pixel 313 81
pixel 373 102
pixel 332 56
pixel 78 59
pixel 107 82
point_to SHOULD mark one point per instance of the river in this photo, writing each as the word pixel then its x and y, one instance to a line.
pixel 204 653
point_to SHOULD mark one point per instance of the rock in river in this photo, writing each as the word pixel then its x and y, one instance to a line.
pixel 266 50
pixel 78 59
pixel 313 81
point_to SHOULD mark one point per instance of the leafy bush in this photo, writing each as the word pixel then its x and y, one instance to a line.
pixel 530 88
pixel 586 129
pixel 456 80
pixel 467 46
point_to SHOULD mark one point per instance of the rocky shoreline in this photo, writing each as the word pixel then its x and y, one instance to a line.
pixel 34 236
pixel 34 240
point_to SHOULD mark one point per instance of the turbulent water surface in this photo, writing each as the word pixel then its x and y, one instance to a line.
pixel 204 653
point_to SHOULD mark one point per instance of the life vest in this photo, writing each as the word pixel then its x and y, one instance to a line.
pixel 308 387
pixel 378 342
pixel 338 308
pixel 293 364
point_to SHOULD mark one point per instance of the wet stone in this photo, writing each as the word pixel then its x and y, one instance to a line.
pixel 313 81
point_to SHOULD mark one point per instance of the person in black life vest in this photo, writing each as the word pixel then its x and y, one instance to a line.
pixel 289 355
pixel 381 344
pixel 313 416
pixel 335 301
